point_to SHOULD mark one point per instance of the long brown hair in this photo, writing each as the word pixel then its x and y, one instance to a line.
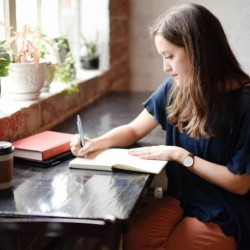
pixel 199 106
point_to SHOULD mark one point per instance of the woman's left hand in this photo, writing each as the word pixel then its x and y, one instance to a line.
pixel 161 152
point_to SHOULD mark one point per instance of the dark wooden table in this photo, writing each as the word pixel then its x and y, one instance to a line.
pixel 63 193
pixel 69 197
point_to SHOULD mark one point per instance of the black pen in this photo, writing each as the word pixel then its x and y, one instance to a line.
pixel 80 130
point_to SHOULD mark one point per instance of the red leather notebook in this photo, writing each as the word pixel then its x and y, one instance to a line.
pixel 42 146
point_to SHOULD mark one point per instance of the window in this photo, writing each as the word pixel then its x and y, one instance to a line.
pixel 1 19
pixel 67 18
pixel 1 11
pixel 55 18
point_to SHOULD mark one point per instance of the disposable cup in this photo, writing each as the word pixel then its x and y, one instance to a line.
pixel 6 164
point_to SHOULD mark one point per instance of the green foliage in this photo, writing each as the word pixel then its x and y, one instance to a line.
pixel 47 48
pixel 31 45
pixel 66 73
pixel 4 60
pixel 90 46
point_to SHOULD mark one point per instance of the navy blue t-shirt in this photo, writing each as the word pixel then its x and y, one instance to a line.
pixel 231 148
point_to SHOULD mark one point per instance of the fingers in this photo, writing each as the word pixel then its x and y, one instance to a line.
pixel 143 152
pixel 160 152
pixel 75 146
pixel 75 139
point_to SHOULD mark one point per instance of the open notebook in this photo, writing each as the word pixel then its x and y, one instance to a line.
pixel 117 158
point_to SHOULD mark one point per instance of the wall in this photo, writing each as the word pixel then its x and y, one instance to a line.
pixel 119 42
pixel 53 109
pixel 146 64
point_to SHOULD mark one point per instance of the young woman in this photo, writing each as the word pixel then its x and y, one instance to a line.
pixel 204 106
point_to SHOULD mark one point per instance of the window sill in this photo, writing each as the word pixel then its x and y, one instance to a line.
pixel 9 107
pixel 22 118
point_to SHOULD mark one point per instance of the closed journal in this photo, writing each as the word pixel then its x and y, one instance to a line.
pixel 42 146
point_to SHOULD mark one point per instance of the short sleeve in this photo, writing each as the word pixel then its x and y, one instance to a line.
pixel 240 160
pixel 157 102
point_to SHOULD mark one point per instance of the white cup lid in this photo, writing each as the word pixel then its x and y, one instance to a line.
pixel 6 148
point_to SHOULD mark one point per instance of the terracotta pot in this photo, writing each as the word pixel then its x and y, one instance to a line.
pixel 24 82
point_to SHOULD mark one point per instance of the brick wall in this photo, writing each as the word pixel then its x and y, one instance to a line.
pixel 119 43
pixel 54 109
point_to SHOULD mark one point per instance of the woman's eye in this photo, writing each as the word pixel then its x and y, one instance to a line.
pixel 168 57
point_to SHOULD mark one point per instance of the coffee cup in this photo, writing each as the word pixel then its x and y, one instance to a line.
pixel 6 164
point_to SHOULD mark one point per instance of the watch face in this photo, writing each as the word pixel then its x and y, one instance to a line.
pixel 188 161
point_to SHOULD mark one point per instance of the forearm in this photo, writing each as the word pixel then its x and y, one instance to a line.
pixel 221 176
pixel 216 174
pixel 128 134
pixel 121 136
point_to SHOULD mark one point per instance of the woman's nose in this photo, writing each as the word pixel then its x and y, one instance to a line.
pixel 166 68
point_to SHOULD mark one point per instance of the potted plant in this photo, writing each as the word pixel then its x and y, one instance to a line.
pixel 65 72
pixel 26 71
pixel 60 69
pixel 34 65
pixel 90 59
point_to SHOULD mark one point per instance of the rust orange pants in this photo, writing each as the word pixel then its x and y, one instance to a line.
pixel 161 226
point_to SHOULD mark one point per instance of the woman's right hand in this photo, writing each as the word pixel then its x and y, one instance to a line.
pixel 75 146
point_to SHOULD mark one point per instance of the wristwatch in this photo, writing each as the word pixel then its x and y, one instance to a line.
pixel 188 160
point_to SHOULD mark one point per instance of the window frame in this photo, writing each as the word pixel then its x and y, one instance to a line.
pixel 101 27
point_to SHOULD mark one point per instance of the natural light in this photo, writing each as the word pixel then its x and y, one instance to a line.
pixel 68 18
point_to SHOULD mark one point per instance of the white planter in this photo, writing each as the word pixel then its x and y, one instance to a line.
pixel 24 82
